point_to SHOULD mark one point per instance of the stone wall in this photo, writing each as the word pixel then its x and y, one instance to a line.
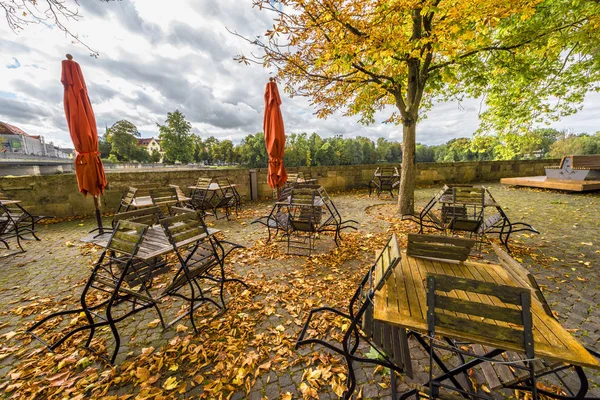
pixel 57 195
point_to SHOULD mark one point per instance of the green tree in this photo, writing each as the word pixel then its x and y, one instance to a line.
pixel 176 138
pixel 424 153
pixel 122 137
pixel 155 156
pixel 104 146
pixel 363 55
pixel 252 151
pixel 576 144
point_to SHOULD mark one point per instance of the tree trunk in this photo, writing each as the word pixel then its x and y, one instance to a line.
pixel 406 199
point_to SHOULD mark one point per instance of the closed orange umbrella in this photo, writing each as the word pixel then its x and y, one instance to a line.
pixel 274 136
pixel 82 127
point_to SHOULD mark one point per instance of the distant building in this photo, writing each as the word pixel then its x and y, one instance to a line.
pixel 16 141
pixel 151 144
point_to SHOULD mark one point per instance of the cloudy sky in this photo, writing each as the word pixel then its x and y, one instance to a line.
pixel 156 58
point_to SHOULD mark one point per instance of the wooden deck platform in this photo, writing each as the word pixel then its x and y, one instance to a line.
pixel 545 183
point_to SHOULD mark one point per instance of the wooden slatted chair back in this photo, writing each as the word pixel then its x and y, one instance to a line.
pixel 147 216
pixel 292 178
pixel 329 204
pixel 143 189
pixel 180 195
pixel 128 197
pixel 440 247
pixel 185 228
pixel 307 175
pixel 388 171
pixel 203 183
pixel 224 184
pixel 304 216
pixel 469 195
pixel 164 198
pixel 127 237
pixel 445 309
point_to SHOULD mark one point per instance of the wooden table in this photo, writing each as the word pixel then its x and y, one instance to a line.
pixel 402 302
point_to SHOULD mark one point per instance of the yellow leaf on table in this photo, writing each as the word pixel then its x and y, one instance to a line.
pixel 171 383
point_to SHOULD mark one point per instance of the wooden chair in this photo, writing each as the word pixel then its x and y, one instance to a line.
pixel 391 342
pixel 427 217
pixel 224 200
pixel 126 279
pixel 184 201
pixel 374 182
pixel 229 189
pixel 202 196
pixel 278 220
pixel 389 180
pixel 25 219
pixel 304 221
pixel 503 376
pixel 448 309
pixel 334 221
pixel 164 199
pixel 439 247
pixel 148 216
pixel 198 256
pixel 9 229
pixel 464 213
pixel 127 200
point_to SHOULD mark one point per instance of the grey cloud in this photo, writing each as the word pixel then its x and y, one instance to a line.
pixel 20 111
pixel 201 39
pixel 47 94
pixel 99 93
pixel 126 13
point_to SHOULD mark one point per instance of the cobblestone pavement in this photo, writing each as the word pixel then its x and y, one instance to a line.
pixel 565 258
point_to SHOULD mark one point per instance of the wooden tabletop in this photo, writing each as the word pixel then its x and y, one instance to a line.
pixel 402 302
pixel 213 186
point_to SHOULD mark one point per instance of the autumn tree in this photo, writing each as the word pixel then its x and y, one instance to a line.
pixel 177 139
pixel 531 59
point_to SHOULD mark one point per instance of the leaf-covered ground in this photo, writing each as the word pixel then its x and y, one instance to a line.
pixel 248 351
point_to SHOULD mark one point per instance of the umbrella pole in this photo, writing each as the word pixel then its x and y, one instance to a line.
pixel 98 217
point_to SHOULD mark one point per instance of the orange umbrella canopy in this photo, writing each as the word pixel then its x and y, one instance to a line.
pixel 82 127
pixel 274 136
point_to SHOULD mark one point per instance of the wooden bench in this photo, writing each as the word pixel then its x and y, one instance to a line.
pixel 577 167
